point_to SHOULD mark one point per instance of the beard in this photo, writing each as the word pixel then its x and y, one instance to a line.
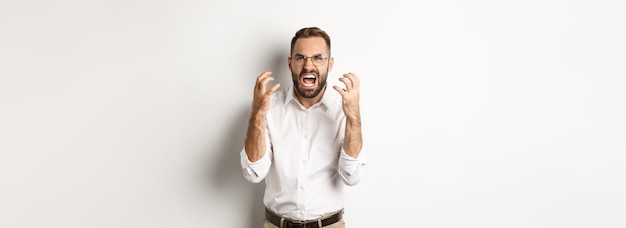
pixel 321 84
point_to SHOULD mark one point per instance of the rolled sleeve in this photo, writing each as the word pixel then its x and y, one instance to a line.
pixel 351 169
pixel 255 171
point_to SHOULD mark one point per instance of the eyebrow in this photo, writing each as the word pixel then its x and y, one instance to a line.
pixel 322 54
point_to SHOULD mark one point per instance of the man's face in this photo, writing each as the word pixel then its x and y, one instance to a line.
pixel 309 76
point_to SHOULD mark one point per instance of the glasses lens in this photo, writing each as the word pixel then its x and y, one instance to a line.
pixel 316 59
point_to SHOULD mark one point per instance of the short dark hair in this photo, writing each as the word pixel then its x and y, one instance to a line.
pixel 310 32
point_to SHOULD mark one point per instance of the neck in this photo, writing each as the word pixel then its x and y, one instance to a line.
pixel 308 102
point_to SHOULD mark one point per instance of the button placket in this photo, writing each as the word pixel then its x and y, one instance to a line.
pixel 303 156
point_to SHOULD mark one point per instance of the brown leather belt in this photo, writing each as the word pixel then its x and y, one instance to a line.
pixel 287 223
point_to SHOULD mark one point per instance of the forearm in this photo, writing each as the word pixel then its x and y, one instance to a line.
pixel 255 139
pixel 353 141
pixel 352 161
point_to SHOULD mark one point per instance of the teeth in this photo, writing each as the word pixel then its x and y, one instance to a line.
pixel 309 76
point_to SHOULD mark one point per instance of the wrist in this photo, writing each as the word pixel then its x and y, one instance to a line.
pixel 353 121
pixel 257 119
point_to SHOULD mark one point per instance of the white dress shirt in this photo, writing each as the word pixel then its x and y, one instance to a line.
pixel 304 166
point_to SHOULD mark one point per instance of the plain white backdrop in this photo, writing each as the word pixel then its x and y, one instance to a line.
pixel 476 113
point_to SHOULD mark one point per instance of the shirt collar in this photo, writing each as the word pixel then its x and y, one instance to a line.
pixel 327 101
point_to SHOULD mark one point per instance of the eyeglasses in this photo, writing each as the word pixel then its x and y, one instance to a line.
pixel 318 60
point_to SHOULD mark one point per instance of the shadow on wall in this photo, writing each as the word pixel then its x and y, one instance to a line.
pixel 227 174
pixel 280 70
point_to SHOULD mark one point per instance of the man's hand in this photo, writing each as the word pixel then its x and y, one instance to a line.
pixel 353 141
pixel 261 101
pixel 350 96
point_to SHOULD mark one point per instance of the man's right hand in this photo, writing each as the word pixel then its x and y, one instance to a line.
pixel 262 95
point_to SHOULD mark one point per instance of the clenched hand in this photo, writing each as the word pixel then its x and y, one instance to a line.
pixel 350 95
pixel 261 100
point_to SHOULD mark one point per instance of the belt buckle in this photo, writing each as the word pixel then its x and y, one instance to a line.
pixel 295 224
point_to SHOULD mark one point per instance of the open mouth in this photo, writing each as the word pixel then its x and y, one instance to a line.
pixel 308 81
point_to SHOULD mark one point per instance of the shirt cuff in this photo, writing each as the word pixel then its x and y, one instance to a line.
pixel 351 168
pixel 255 171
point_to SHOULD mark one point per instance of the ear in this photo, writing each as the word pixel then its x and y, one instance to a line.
pixel 331 61
pixel 289 62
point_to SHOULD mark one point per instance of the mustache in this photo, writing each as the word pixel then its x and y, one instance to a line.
pixel 309 72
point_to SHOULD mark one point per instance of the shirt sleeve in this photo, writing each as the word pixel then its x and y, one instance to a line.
pixel 255 171
pixel 351 169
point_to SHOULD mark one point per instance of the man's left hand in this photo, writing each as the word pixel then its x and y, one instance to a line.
pixel 350 95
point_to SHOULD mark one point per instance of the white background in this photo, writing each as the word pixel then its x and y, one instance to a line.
pixel 476 113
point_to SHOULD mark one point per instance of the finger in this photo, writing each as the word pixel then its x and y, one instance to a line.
pixel 263 83
pixel 265 73
pixel 340 90
pixel 261 77
pixel 273 89
pixel 347 82
pixel 353 79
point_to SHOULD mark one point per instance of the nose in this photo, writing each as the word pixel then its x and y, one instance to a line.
pixel 308 63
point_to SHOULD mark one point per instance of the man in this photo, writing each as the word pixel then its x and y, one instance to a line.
pixel 305 140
